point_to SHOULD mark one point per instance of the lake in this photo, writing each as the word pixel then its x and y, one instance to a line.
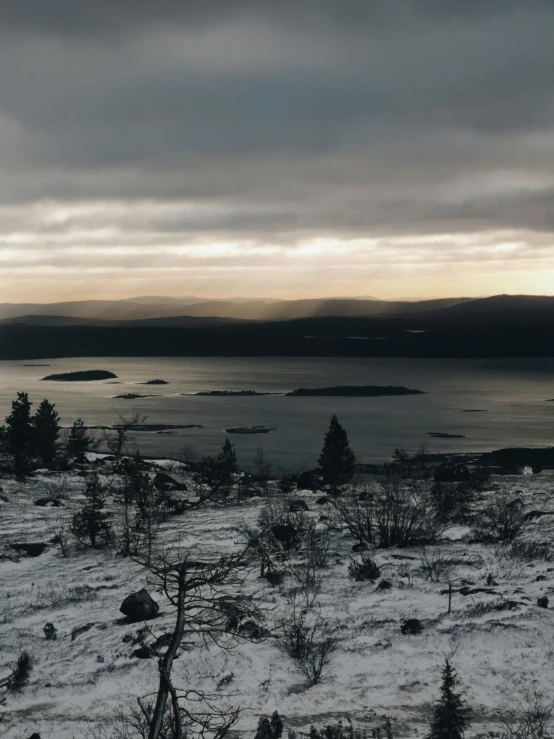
pixel 513 392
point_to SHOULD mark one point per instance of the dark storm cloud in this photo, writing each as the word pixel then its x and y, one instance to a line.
pixel 274 121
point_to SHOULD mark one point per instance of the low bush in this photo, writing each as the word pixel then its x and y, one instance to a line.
pixel 310 640
pixel 363 569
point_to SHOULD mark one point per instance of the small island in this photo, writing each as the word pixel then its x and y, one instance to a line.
pixel 355 391
pixel 230 393
pixel 249 430
pixel 444 435
pixel 154 382
pixel 131 396
pixel 82 376
pixel 474 410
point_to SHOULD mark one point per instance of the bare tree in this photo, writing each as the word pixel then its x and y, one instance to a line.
pixel 119 438
pixel 532 722
pixel 203 595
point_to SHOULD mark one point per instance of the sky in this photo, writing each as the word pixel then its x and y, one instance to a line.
pixel 276 148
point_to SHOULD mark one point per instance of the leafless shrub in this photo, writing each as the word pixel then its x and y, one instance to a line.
pixel 58 526
pixel 533 721
pixel 400 513
pixel 482 608
pixel 435 565
pixel 310 640
pixel 500 521
pixel 308 581
pixel 529 550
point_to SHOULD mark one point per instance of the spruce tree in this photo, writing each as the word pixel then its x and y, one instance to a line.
pixel 79 441
pixel 336 461
pixel 90 524
pixel 46 429
pixel 19 434
pixel 450 714
pixel 227 461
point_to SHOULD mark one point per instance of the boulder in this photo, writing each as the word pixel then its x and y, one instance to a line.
pixel 324 500
pixel 48 502
pixel 33 549
pixel 540 578
pixel 542 602
pixel 309 480
pixel 163 481
pixel 139 606
pixel 286 534
pixel 297 505
pixel 359 547
pixel 35 735
pixel 412 626
pixel 143 652
pixel 384 585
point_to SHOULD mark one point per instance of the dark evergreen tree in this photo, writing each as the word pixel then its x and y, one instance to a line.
pixel 450 714
pixel 217 472
pixel 270 728
pixel 19 434
pixel 46 429
pixel 80 441
pixel 227 461
pixel 336 461
pixel 90 525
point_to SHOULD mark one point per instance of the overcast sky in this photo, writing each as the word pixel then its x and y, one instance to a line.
pixel 283 148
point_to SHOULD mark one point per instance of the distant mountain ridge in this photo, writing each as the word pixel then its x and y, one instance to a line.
pixel 146 308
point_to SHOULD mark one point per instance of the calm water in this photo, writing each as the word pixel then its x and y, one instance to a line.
pixel 513 392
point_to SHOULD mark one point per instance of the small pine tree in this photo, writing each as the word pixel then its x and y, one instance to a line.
pixel 19 434
pixel 46 429
pixel 90 524
pixel 79 441
pixel 270 728
pixel 336 461
pixel 450 714
pixel 227 462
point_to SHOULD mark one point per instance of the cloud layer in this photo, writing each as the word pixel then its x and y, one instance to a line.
pixel 317 147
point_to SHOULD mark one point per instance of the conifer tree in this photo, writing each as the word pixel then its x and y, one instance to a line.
pixel 336 461
pixel 80 442
pixel 90 524
pixel 450 714
pixel 19 434
pixel 46 429
pixel 227 460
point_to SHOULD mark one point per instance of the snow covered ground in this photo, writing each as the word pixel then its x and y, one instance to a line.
pixel 81 683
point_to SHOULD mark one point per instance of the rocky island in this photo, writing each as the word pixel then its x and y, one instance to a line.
pixel 355 391
pixel 82 376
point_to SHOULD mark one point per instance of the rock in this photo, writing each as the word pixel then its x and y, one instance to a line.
pixel 384 585
pixel 540 578
pixel 163 481
pixel 36 735
pixel 532 515
pixel 359 547
pixel 308 480
pixel 143 652
pixel 81 630
pixel 542 602
pixel 251 630
pixel 34 549
pixel 412 626
pixel 364 495
pixel 100 659
pixel 324 500
pixel 286 534
pixel 526 470
pixel 491 582
pixel 48 502
pixel 50 632
pixel 175 506
pixel 297 505
pixel 139 606
pixel 452 472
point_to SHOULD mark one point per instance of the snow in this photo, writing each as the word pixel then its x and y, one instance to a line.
pixel 80 683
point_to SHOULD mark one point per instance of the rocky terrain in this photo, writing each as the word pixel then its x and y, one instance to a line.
pixel 497 635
